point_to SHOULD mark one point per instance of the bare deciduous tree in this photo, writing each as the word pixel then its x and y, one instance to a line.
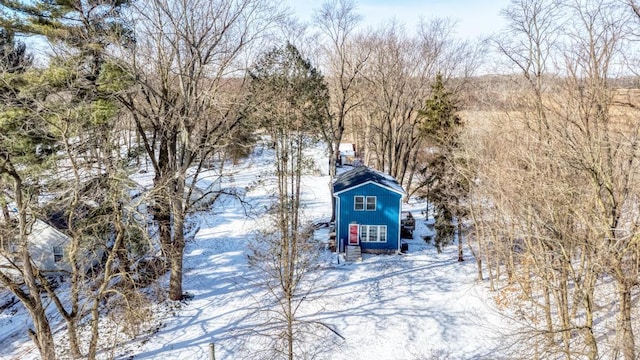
pixel 188 61
pixel 345 61
pixel 396 82
pixel 559 221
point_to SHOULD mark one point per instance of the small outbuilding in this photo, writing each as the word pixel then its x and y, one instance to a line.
pixel 347 154
pixel 368 207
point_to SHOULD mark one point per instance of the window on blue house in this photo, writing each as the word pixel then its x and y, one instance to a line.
pixel 373 233
pixel 361 203
pixel 371 203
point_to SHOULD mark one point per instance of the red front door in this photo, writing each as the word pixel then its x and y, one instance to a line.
pixel 354 239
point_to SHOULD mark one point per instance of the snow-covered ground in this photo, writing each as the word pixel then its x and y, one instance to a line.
pixel 421 305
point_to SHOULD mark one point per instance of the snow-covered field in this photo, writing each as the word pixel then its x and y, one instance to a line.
pixel 421 305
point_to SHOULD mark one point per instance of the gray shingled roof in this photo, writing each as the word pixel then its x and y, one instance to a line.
pixel 362 174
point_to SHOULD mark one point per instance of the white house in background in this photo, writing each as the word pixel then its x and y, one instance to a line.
pixel 47 247
pixel 347 154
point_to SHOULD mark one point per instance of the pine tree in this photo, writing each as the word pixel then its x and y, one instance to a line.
pixel 62 109
pixel 441 126
pixel 19 137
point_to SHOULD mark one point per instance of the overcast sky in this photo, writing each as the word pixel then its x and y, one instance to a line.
pixel 475 17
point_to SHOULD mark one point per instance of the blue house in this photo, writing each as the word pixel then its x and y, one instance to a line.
pixel 367 207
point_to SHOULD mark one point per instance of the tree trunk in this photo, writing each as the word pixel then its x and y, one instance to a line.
pixel 71 317
pixel 625 329
pixel 335 152
pixel 411 173
pixel 562 299
pixel 163 219
pixel 93 342
pixel 479 238
pixel 548 316
pixel 590 338
pixel 367 148
pixel 177 250
pixel 290 334
pixel 162 188
pixel 492 284
pixel 72 332
pixel 42 336
pixel 106 281
pixel 460 253
pixel 162 205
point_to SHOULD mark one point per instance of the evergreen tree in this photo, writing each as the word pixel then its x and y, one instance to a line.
pixel 13 54
pixel 64 109
pixel 441 126
pixel 20 136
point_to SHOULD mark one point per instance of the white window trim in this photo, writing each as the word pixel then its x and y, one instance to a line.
pixel 364 233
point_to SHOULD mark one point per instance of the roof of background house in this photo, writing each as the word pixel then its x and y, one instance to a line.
pixel 41 231
pixel 346 149
pixel 362 174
